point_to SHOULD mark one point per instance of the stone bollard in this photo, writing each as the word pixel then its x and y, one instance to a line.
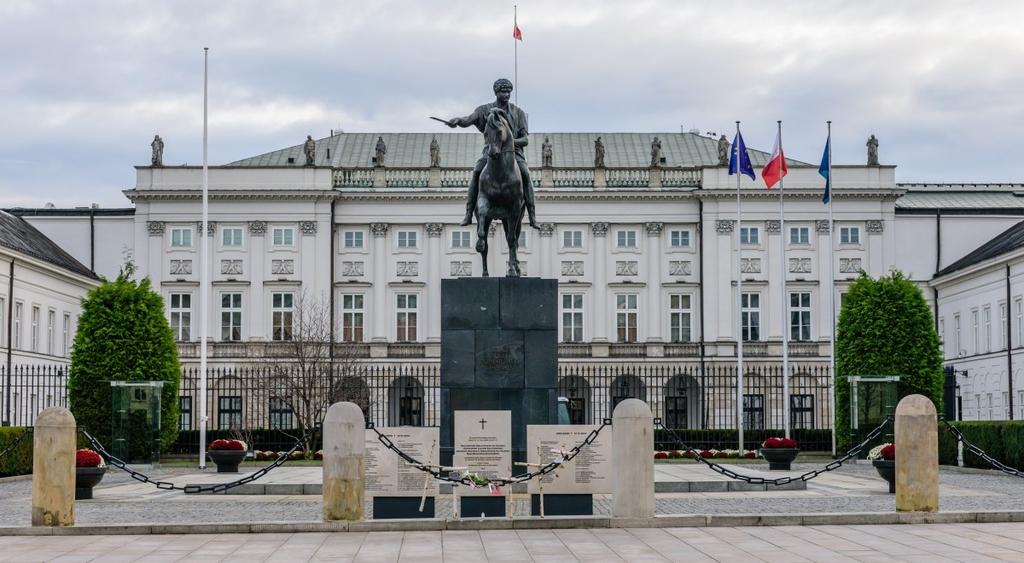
pixel 632 460
pixel 917 455
pixel 344 446
pixel 53 468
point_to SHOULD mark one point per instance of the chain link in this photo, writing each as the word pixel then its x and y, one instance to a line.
pixel 192 489
pixel 980 452
pixel 21 438
pixel 475 481
pixel 781 480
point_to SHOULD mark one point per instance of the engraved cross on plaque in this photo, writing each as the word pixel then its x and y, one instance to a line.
pixel 482 423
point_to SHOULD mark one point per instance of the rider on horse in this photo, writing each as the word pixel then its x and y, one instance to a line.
pixel 517 120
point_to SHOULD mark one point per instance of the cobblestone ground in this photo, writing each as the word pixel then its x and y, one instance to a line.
pixel 850 489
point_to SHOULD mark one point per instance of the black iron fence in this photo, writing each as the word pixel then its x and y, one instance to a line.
pixel 29 389
pixel 268 406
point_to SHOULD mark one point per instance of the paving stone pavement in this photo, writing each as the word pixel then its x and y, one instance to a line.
pixel 929 542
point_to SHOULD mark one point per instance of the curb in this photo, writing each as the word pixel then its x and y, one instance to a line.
pixel 673 521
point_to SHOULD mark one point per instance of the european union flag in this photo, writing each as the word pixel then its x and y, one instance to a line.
pixel 739 161
pixel 823 169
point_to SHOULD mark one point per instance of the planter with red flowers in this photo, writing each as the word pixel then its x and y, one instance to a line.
pixel 884 459
pixel 89 471
pixel 227 454
pixel 779 453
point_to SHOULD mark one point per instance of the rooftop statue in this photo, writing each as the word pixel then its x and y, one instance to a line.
pixel 598 153
pixel 546 153
pixel 655 153
pixel 435 153
pixel 723 151
pixel 309 147
pixel 872 151
pixel 158 151
pixel 381 149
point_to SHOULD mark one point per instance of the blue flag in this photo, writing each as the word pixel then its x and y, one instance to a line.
pixel 739 153
pixel 823 169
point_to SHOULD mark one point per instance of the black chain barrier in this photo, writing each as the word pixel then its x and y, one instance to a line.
pixel 781 480
pixel 473 480
pixel 192 489
pixel 980 452
pixel 21 438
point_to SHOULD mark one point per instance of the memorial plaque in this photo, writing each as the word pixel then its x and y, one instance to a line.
pixel 588 473
pixel 483 443
pixel 387 475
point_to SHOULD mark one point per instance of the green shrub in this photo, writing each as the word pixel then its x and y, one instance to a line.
pixel 1001 439
pixel 885 328
pixel 122 335
pixel 816 439
pixel 18 461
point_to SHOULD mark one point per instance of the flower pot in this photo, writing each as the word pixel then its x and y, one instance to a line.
pixel 227 460
pixel 85 479
pixel 779 459
pixel 886 468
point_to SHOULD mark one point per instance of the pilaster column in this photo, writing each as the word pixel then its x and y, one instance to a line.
pixel 600 306
pixel 379 304
pixel 433 259
pixel 654 309
pixel 544 250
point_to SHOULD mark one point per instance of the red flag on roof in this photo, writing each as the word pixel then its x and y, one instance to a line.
pixel 516 33
pixel 776 167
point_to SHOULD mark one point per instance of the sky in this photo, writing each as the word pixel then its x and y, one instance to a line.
pixel 87 83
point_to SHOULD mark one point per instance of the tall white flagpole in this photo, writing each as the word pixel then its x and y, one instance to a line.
pixel 832 286
pixel 785 301
pixel 204 276
pixel 739 295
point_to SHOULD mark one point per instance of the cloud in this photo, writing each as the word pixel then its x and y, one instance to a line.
pixel 86 85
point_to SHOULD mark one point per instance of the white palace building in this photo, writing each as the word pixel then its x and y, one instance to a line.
pixel 644 256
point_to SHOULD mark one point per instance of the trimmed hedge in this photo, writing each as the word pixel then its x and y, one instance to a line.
pixel 1001 439
pixel 19 460
pixel 810 439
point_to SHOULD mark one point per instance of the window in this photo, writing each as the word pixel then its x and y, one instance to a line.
pixel 280 414
pixel 229 412
pixel 524 239
pixel 1020 322
pixel 988 328
pixel 406 239
pixel 181 237
pixel 974 331
pixel 800 316
pixel 956 336
pixel 942 336
pixel 626 316
pixel 3 320
pixel 799 235
pixel 181 316
pixel 281 312
pixel 283 236
pixel 679 317
pixel 849 235
pixel 353 239
pixel 801 411
pixel 679 239
pixel 572 239
pixel 750 235
pixel 572 317
pixel 460 239
pixel 34 335
pixel 1002 327
pixel 405 309
pixel 184 413
pixel 18 312
pixel 625 239
pixel 753 412
pixel 231 316
pixel 51 330
pixel 352 318
pixel 67 334
pixel 231 236
pixel 750 305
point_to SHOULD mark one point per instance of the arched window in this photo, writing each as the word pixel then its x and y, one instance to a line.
pixel 625 387
pixel 577 390
pixel 682 402
pixel 405 402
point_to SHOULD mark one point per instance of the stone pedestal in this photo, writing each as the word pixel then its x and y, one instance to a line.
pixel 53 468
pixel 917 455
pixel 499 351
pixel 600 178
pixel 343 465
pixel 632 460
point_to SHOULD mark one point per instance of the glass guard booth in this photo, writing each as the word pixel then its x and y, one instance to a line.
pixel 872 398
pixel 135 431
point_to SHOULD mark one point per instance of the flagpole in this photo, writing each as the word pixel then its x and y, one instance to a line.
pixel 831 285
pixel 515 56
pixel 739 295
pixel 785 301
pixel 204 276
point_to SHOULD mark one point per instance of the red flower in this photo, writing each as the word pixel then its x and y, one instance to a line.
pixel 889 452
pixel 661 455
pixel 750 455
pixel 706 454
pixel 227 445
pixel 776 442
pixel 87 458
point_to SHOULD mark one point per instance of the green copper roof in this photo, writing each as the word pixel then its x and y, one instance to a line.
pixel 960 200
pixel 461 150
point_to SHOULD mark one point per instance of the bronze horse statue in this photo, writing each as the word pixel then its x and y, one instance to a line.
pixel 501 190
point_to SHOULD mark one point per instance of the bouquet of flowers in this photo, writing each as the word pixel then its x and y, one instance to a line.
pixel 885 451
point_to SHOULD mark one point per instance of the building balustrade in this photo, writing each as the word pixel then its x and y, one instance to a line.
pixel 573 350
pixel 627 350
pixel 423 177
pixel 682 349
